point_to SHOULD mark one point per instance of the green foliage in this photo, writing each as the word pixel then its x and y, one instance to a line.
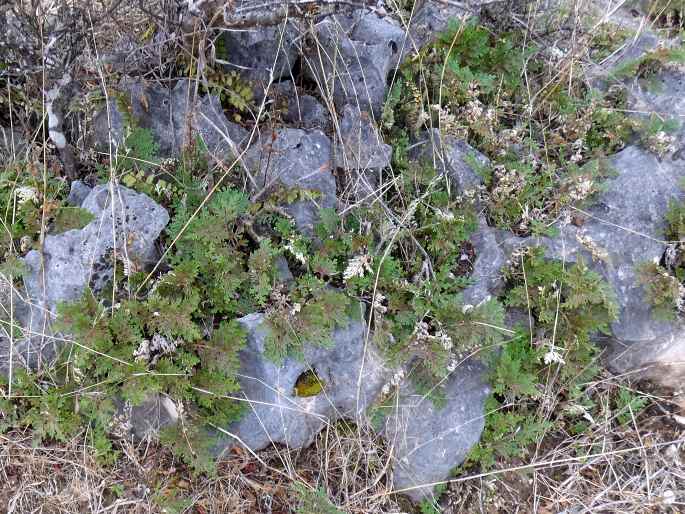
pixel 428 506
pixel 663 290
pixel 606 39
pixel 232 90
pixel 628 405
pixel 26 201
pixel 650 64
pixel 544 138
pixel 236 94
pixel 313 501
pixel 69 218
pixel 140 149
pixel 568 303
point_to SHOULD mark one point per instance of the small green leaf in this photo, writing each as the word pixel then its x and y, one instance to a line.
pixel 70 218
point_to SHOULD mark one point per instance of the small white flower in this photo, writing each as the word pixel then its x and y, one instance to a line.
pixel 142 353
pixel 445 215
pixel 553 356
pixel 26 194
pixel 295 309
pixel 466 308
pixel 394 381
pixel 378 306
pixel 445 340
pixel 357 267
pixel 296 252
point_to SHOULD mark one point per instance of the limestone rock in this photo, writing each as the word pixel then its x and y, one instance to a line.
pixel 307 112
pixel 454 157
pixel 361 146
pixel 295 159
pixel 428 441
pixel 351 372
pixel 254 51
pixel 126 225
pixel 487 277
pixel 352 64
pixel 152 415
pixel 78 193
pixel 624 229
pixel 433 18
pixel 172 118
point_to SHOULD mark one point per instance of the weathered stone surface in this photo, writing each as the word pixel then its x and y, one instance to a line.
pixel 255 51
pixel 369 27
pixel 295 159
pixel 352 64
pixel 454 157
pixel 300 110
pixel 172 119
pixel 624 229
pixel 126 224
pixel 487 277
pixel 428 441
pixel 152 415
pixel 359 145
pixel 351 372
pixel 307 112
pixel 78 193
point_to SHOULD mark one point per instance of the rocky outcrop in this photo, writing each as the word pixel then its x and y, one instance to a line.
pixel 172 117
pixel 455 158
pixel 428 441
pixel 261 54
pixel 125 228
pixel 352 58
pixel 360 145
pixel 294 159
pixel 622 230
pixel 350 371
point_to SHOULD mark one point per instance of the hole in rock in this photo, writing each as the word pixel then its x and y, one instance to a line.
pixel 308 384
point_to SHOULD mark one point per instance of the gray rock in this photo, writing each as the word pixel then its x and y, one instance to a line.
pixel 169 114
pixel 301 110
pixel 454 157
pixel 128 225
pixel 369 27
pixel 255 51
pixel 351 65
pixel 126 222
pixel 78 193
pixel 428 442
pixel 294 158
pixel 625 229
pixel 360 145
pixel 351 372
pixel 152 415
pixel 487 277
pixel 433 17
pixel 307 112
